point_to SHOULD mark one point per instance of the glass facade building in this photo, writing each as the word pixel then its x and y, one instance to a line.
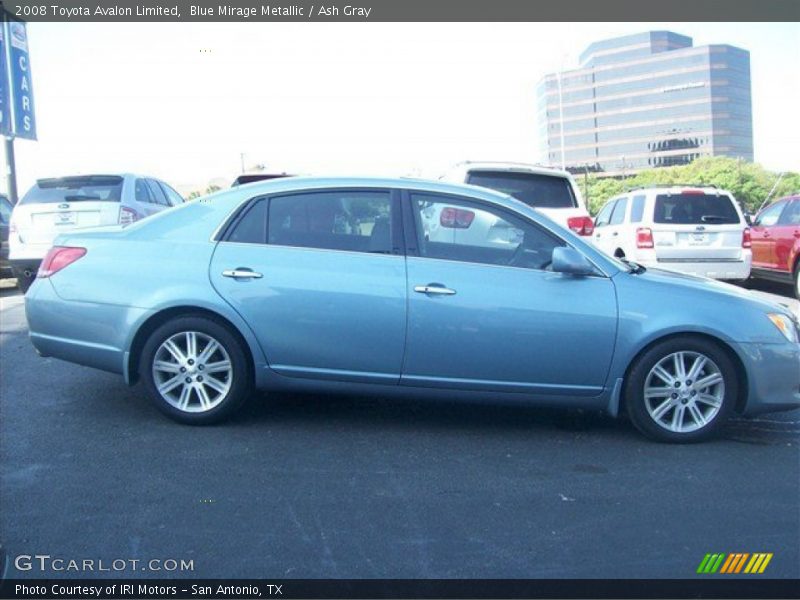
pixel 647 100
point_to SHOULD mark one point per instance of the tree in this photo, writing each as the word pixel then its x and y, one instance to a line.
pixel 750 183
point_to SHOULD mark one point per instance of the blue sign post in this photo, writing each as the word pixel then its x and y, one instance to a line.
pixel 19 67
pixel 5 95
pixel 17 116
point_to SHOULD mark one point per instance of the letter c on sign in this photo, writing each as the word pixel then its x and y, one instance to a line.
pixel 23 562
pixel 23 63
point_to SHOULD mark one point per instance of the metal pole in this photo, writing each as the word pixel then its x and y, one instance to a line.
pixel 11 171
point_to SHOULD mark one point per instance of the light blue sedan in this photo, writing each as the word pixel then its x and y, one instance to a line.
pixel 330 286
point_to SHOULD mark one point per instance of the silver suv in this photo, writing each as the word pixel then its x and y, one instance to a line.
pixel 63 204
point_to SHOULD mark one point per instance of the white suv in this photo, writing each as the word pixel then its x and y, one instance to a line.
pixel 695 230
pixel 59 205
pixel 551 191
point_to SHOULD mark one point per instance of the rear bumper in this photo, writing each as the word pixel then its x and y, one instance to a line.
pixel 29 266
pixel 737 270
pixel 85 333
pixel 773 373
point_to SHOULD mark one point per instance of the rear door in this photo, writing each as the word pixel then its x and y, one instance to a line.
pixel 696 226
pixel 602 234
pixel 55 206
pixel 615 232
pixel 763 240
pixel 320 277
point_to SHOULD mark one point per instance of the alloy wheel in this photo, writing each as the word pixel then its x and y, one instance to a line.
pixel 192 371
pixel 684 391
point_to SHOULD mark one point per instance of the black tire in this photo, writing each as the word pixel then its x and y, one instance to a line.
pixel 634 390
pixel 240 377
pixel 24 282
pixel 797 280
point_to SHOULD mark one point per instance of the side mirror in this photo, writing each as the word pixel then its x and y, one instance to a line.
pixel 568 260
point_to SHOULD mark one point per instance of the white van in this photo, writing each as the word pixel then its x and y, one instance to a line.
pixel 691 229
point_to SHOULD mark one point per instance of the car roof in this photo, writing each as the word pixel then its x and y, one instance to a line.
pixel 514 167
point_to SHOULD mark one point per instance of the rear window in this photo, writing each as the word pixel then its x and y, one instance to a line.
pixel 540 191
pixel 695 209
pixel 75 189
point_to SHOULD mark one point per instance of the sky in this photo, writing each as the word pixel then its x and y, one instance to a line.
pixel 183 101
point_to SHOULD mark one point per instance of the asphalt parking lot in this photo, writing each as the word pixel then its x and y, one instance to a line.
pixel 317 487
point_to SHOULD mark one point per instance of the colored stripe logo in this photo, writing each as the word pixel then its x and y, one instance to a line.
pixel 738 562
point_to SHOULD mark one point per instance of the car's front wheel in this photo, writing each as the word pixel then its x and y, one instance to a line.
pixel 196 370
pixel 681 390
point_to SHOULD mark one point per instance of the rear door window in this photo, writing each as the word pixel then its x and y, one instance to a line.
pixel 637 209
pixel 142 192
pixel 619 211
pixel 355 221
pixel 157 193
pixel 75 189
pixel 604 216
pixel 5 211
pixel 252 226
pixel 537 190
pixel 173 197
pixel 695 209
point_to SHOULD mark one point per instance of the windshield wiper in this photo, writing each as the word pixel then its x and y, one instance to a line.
pixel 708 218
pixel 78 197
pixel 634 267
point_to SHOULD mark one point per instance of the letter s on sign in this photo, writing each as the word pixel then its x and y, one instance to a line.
pixel 23 562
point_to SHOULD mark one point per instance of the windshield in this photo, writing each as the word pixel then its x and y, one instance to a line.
pixel 75 189
pixel 537 190
pixel 695 209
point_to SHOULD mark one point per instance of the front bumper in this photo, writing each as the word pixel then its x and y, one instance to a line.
pixel 773 373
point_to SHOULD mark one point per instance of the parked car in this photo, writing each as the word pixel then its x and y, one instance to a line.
pixel 695 230
pixel 776 242
pixel 549 190
pixel 262 286
pixel 5 217
pixel 63 204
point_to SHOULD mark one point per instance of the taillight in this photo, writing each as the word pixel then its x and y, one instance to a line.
pixel 644 238
pixel 57 258
pixel 747 240
pixel 581 225
pixel 456 218
pixel 128 215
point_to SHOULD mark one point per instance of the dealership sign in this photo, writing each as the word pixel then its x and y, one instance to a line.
pixel 17 116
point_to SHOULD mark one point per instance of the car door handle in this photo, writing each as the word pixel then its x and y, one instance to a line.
pixel 433 288
pixel 766 234
pixel 796 233
pixel 241 274
pixel 615 234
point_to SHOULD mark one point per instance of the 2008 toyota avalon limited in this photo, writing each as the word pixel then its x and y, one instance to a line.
pixel 335 285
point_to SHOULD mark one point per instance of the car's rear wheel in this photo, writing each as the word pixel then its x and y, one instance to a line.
pixel 681 390
pixel 196 370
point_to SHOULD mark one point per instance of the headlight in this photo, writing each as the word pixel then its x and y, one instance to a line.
pixel 786 325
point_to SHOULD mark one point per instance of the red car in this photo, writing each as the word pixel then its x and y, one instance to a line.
pixel 776 242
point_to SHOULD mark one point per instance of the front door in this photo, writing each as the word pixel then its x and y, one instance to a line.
pixel 762 239
pixel 486 313
pixel 320 278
